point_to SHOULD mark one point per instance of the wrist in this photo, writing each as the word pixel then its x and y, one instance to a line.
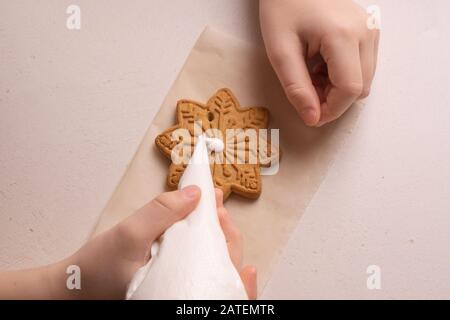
pixel 63 282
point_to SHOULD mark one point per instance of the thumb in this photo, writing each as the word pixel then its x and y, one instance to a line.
pixel 149 222
pixel 288 61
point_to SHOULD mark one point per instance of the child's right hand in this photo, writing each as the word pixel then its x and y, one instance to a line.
pixel 109 260
pixel 295 31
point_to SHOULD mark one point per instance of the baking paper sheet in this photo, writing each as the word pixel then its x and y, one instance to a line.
pixel 218 60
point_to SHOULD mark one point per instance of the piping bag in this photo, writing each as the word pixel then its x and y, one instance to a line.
pixel 191 259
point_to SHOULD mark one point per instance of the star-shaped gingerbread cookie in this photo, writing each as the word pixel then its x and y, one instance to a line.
pixel 247 148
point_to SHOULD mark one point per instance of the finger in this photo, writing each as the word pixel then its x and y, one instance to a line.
pixel 344 70
pixel 248 277
pixel 288 60
pixel 366 51
pixel 219 197
pixel 233 237
pixel 154 218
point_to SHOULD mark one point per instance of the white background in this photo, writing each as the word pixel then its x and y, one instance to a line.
pixel 75 104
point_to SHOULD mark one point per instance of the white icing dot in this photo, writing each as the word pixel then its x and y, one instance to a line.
pixel 215 144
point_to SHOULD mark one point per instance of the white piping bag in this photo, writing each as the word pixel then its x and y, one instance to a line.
pixel 191 259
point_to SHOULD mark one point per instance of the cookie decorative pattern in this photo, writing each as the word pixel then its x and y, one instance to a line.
pixel 236 168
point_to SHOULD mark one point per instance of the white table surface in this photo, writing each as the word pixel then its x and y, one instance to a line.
pixel 75 104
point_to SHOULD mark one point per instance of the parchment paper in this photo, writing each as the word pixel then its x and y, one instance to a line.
pixel 217 61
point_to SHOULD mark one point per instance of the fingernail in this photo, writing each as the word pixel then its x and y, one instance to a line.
pixel 191 192
pixel 309 116
pixel 254 272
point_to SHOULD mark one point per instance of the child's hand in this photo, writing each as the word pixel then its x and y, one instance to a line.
pixel 108 261
pixel 335 33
